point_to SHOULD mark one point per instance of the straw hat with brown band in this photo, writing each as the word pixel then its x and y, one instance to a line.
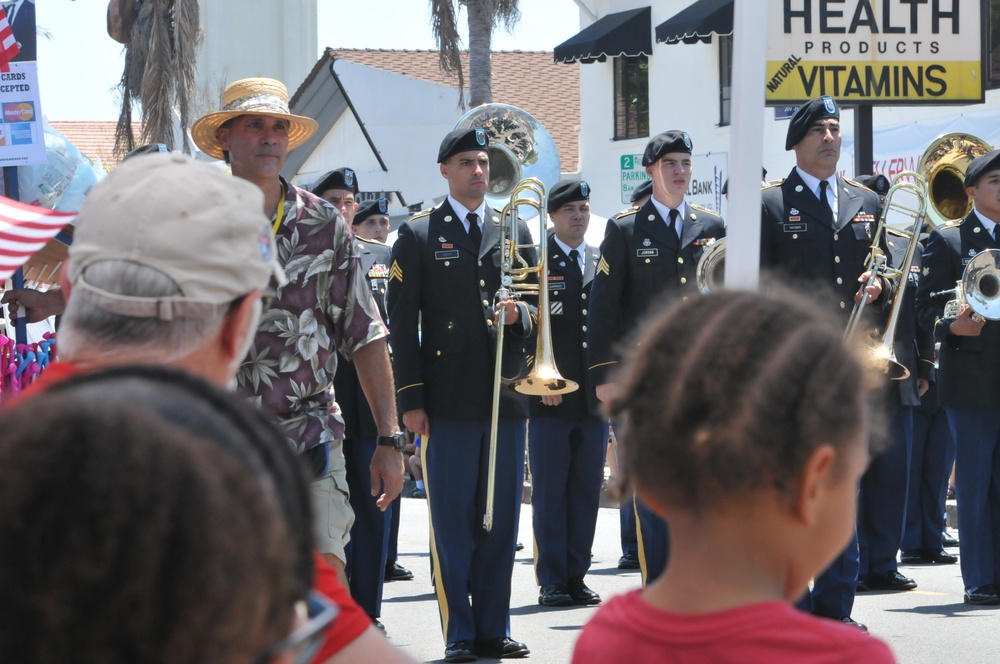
pixel 251 96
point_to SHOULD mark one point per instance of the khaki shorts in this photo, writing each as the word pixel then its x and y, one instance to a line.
pixel 331 508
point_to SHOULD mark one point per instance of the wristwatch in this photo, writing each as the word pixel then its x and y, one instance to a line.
pixel 395 441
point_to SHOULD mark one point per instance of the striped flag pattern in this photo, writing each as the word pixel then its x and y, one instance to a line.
pixel 25 229
pixel 8 44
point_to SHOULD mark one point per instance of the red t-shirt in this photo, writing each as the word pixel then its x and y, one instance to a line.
pixel 351 620
pixel 629 629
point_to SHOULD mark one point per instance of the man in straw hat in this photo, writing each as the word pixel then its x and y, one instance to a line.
pixel 326 307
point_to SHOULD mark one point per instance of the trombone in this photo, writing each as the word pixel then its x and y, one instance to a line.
pixel 544 378
pixel 882 355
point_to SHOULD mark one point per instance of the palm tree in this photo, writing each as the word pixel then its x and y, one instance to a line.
pixel 483 17
pixel 161 45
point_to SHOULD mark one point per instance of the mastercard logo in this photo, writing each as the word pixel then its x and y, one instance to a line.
pixel 19 112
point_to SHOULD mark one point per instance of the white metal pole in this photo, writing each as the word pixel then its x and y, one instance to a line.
pixel 746 144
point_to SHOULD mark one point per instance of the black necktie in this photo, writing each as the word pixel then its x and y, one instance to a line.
pixel 824 201
pixel 574 258
pixel 672 224
pixel 474 233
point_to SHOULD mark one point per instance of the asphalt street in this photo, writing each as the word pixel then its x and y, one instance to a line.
pixel 929 625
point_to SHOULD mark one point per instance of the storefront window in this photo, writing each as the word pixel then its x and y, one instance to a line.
pixel 725 78
pixel 631 97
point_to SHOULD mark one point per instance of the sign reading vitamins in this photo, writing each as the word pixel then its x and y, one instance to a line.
pixel 875 51
pixel 23 139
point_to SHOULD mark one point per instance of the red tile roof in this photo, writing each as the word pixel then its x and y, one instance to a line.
pixel 94 138
pixel 526 79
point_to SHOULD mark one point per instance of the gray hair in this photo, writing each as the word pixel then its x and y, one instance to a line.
pixel 87 330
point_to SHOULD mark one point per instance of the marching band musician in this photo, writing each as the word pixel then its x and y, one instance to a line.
pixel 368 549
pixel 969 378
pixel 817 228
pixel 646 252
pixel 444 274
pixel 567 438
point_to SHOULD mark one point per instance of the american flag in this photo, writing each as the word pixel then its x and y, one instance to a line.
pixel 8 44
pixel 24 229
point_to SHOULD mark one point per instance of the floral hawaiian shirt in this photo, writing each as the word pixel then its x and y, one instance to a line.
pixel 326 307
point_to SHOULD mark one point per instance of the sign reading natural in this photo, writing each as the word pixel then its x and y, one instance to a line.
pixel 875 51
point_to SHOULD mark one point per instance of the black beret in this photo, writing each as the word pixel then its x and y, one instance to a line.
pixel 152 148
pixel 567 191
pixel 877 183
pixel 661 144
pixel 342 178
pixel 644 189
pixel 462 140
pixel 808 114
pixel 378 206
pixel 978 166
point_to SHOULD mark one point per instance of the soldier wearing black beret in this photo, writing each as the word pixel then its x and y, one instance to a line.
pixel 969 375
pixel 371 222
pixel 339 187
pixel 646 252
pixel 816 230
pixel 566 431
pixel 443 278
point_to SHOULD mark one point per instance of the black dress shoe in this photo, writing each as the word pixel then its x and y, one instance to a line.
pixel 982 595
pixel 861 586
pixel 519 547
pixel 396 572
pixel 948 541
pixel 505 648
pixel 554 595
pixel 460 651
pixel 581 594
pixel 628 561
pixel 925 557
pixel 847 620
pixel 889 581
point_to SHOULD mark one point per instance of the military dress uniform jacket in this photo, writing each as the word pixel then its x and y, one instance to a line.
pixel 800 241
pixel 641 260
pixel 440 304
pixel 568 303
pixel 969 367
pixel 357 414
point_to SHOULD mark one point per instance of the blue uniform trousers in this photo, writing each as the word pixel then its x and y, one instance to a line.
pixel 367 550
pixel 832 594
pixel 882 498
pixel 392 554
pixel 977 489
pixel 566 457
pixel 930 464
pixel 654 542
pixel 467 559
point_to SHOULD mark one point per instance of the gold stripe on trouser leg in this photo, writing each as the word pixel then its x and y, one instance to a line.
pixel 435 559
pixel 638 536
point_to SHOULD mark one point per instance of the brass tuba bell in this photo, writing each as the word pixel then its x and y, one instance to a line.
pixel 943 166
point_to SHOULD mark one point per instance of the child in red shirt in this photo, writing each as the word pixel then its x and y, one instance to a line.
pixel 744 424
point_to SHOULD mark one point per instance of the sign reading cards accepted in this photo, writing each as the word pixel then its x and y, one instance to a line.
pixel 22 140
pixel 875 51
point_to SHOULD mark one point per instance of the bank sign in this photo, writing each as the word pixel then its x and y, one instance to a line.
pixel 875 51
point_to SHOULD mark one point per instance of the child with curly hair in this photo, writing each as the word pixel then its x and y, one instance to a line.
pixel 745 423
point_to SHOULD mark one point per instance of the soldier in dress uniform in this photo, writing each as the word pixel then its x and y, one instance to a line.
pixel 969 378
pixel 647 252
pixel 816 229
pixel 368 549
pixel 444 276
pixel 567 438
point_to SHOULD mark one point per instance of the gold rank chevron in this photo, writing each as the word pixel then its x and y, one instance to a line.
pixel 604 267
pixel 396 272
